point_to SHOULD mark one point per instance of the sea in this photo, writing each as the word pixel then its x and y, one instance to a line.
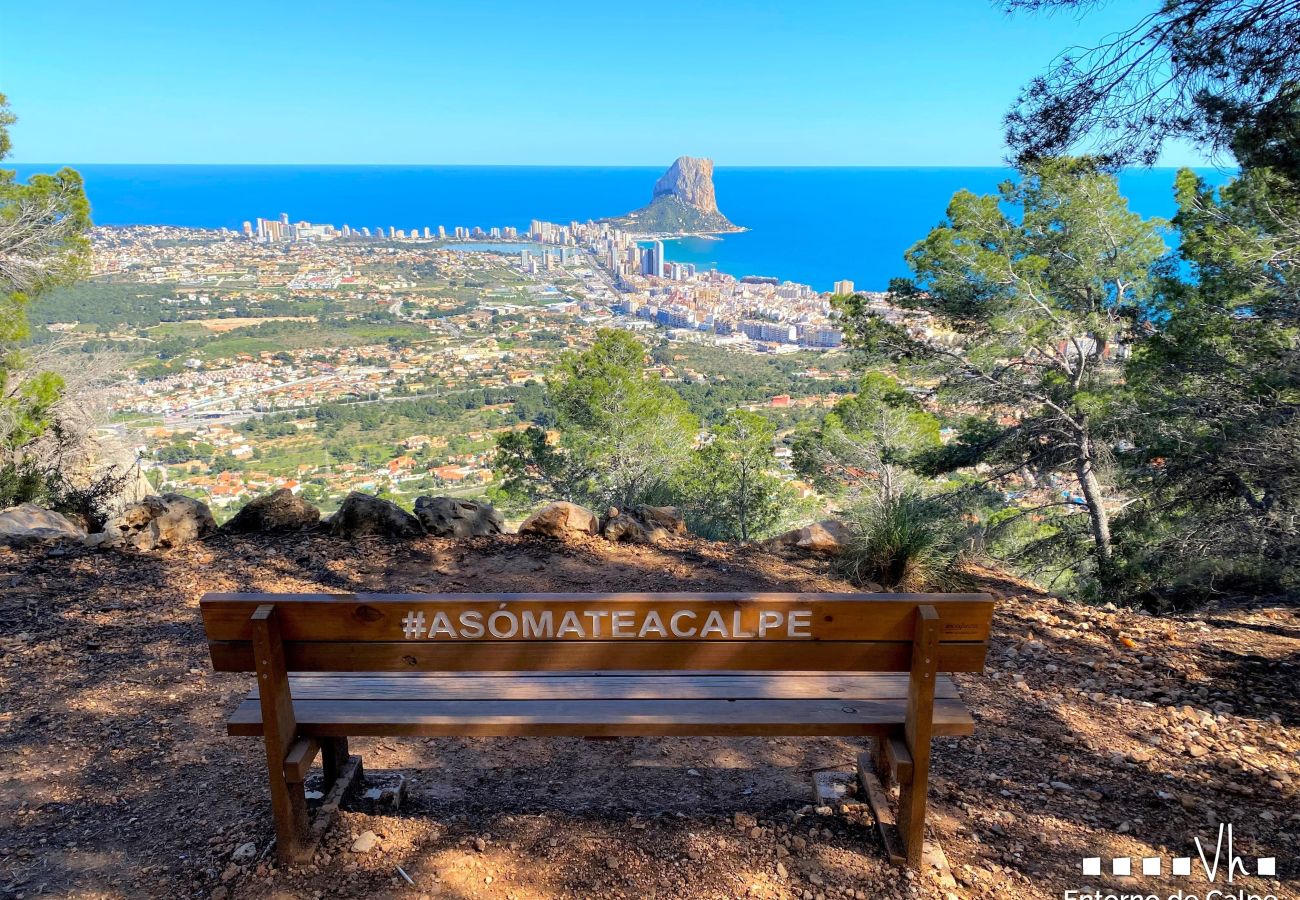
pixel 810 225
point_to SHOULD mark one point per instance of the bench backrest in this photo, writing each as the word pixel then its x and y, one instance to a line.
pixel 570 632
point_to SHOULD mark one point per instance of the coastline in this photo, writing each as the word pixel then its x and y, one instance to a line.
pixel 677 235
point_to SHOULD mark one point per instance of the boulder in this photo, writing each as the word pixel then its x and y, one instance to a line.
pixel 561 519
pixel 169 520
pixel 111 536
pixel 363 514
pixel 665 517
pixel 828 536
pixel 27 524
pixel 453 518
pixel 643 524
pixel 282 510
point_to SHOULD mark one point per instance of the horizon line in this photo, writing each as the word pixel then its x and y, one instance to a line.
pixel 412 165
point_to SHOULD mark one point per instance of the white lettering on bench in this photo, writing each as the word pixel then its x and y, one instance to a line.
pixel 601 624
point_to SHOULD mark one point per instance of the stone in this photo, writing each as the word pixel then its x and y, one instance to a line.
pixel 282 510
pixel 691 179
pixel 827 537
pixel 361 515
pixel 244 854
pixel 111 536
pixel 159 522
pixel 386 792
pixel 665 517
pixel 832 786
pixel 643 524
pixel 450 517
pixel 561 519
pixel 27 524
pixel 365 842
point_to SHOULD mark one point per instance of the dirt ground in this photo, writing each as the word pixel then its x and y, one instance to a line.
pixel 1101 733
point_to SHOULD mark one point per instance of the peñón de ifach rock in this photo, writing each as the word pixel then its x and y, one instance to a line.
pixel 282 510
pixel 454 518
pixel 683 202
pixel 363 514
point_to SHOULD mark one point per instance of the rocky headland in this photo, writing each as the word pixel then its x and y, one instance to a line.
pixel 684 201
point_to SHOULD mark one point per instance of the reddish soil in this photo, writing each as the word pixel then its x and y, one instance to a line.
pixel 1101 733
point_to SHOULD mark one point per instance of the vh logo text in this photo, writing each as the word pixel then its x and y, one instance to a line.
pixel 1223 864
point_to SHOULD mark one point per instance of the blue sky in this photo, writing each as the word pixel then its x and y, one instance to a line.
pixel 841 82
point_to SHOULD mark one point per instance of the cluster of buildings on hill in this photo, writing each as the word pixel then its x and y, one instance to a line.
pixel 463 316
pixel 645 285
pixel 649 288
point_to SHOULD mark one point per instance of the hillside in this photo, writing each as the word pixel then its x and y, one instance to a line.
pixel 673 215
pixel 683 202
pixel 1100 732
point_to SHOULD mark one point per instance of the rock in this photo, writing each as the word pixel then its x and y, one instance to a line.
pixel 643 524
pixel 244 854
pixel 111 536
pixel 561 519
pixel 220 892
pixel 27 524
pixel 364 514
pixel 282 510
pixel 365 842
pixel 452 518
pixel 665 517
pixel 169 520
pixel 387 795
pixel 781 871
pixel 826 537
pixel 690 179
pixel 683 201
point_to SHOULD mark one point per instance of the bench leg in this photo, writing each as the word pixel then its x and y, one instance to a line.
pixel 289 804
pixel 279 729
pixel 911 808
pixel 879 762
pixel 334 756
pixel 917 730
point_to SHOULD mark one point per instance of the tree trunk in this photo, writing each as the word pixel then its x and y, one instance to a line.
pixel 1092 496
pixel 744 503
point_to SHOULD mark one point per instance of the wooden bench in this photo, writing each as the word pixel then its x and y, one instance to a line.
pixel 597 665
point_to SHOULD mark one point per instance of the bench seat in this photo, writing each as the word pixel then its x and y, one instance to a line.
pixel 603 704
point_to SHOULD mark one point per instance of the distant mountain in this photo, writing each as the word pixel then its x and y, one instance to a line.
pixel 683 202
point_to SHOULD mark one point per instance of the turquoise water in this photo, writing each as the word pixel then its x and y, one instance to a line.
pixel 812 225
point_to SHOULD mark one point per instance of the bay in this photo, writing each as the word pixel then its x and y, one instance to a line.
pixel 810 225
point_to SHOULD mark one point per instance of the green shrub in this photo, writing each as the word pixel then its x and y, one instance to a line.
pixel 905 542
